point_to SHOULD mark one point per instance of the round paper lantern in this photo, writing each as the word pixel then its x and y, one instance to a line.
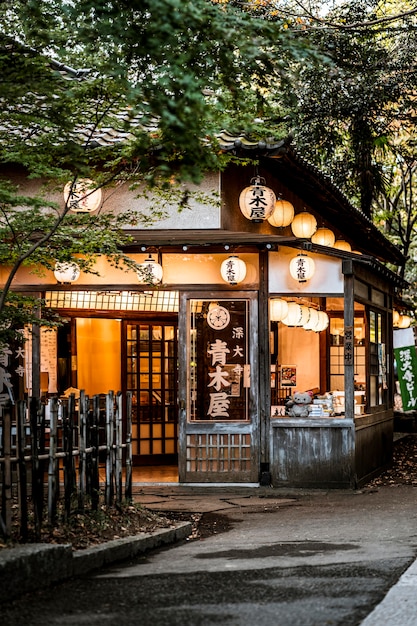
pixel 341 244
pixel 278 309
pixel 323 322
pixel 257 201
pixel 324 237
pixel 282 215
pixel 304 225
pixel 302 268
pixel 395 318
pixel 150 271
pixel 233 270
pixel 312 321
pixel 66 272
pixel 305 315
pixel 82 196
pixel 404 321
pixel 293 316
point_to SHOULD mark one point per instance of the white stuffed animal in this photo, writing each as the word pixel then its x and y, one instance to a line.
pixel 299 405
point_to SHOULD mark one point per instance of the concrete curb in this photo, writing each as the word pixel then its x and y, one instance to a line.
pixel 35 566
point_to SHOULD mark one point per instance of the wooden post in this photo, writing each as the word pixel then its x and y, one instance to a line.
pixel 36 357
pixel 21 467
pixel 7 472
pixel 128 484
pixel 349 352
pixel 82 436
pixel 109 448
pixel 67 444
pixel 95 478
pixel 264 371
pixel 52 468
pixel 37 437
pixel 119 448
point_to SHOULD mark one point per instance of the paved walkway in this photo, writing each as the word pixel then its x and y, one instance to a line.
pixel 398 608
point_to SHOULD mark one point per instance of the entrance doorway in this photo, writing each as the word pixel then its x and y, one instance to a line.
pixel 149 366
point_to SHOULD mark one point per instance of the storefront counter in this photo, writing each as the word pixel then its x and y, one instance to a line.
pixel 330 452
pixel 373 444
pixel 312 453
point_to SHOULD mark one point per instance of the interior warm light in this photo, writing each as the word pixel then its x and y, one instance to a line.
pixel 324 237
pixel 282 215
pixel 257 201
pixel 66 272
pixel 304 225
pixel 278 309
pixel 233 270
pixel 341 244
pixel 302 268
pixel 82 196
pixel 150 271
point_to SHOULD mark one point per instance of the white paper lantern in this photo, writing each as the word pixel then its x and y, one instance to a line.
pixel 150 271
pixel 66 272
pixel 395 318
pixel 322 323
pixel 404 321
pixel 323 237
pixel 341 244
pixel 233 270
pixel 257 201
pixel 282 215
pixel 293 316
pixel 302 268
pixel 313 320
pixel 304 225
pixel 82 196
pixel 278 309
pixel 305 315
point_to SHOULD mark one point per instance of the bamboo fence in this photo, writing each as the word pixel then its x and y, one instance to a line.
pixel 54 452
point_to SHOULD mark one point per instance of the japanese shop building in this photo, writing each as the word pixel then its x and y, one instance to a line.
pixel 206 354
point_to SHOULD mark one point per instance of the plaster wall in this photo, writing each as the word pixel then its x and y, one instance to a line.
pixel 328 277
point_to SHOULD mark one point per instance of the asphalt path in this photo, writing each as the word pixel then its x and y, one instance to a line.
pixel 295 559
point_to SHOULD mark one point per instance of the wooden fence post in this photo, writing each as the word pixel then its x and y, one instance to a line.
pixel 82 434
pixel 7 472
pixel 128 484
pixel 52 468
pixel 95 477
pixel 119 447
pixel 21 467
pixel 37 439
pixel 109 448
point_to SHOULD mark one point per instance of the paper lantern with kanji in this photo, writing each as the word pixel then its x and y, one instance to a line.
pixel 302 268
pixel 257 201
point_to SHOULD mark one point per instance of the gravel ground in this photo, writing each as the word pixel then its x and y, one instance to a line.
pixel 404 464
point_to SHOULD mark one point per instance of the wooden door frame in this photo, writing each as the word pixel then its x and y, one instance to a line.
pixel 186 427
